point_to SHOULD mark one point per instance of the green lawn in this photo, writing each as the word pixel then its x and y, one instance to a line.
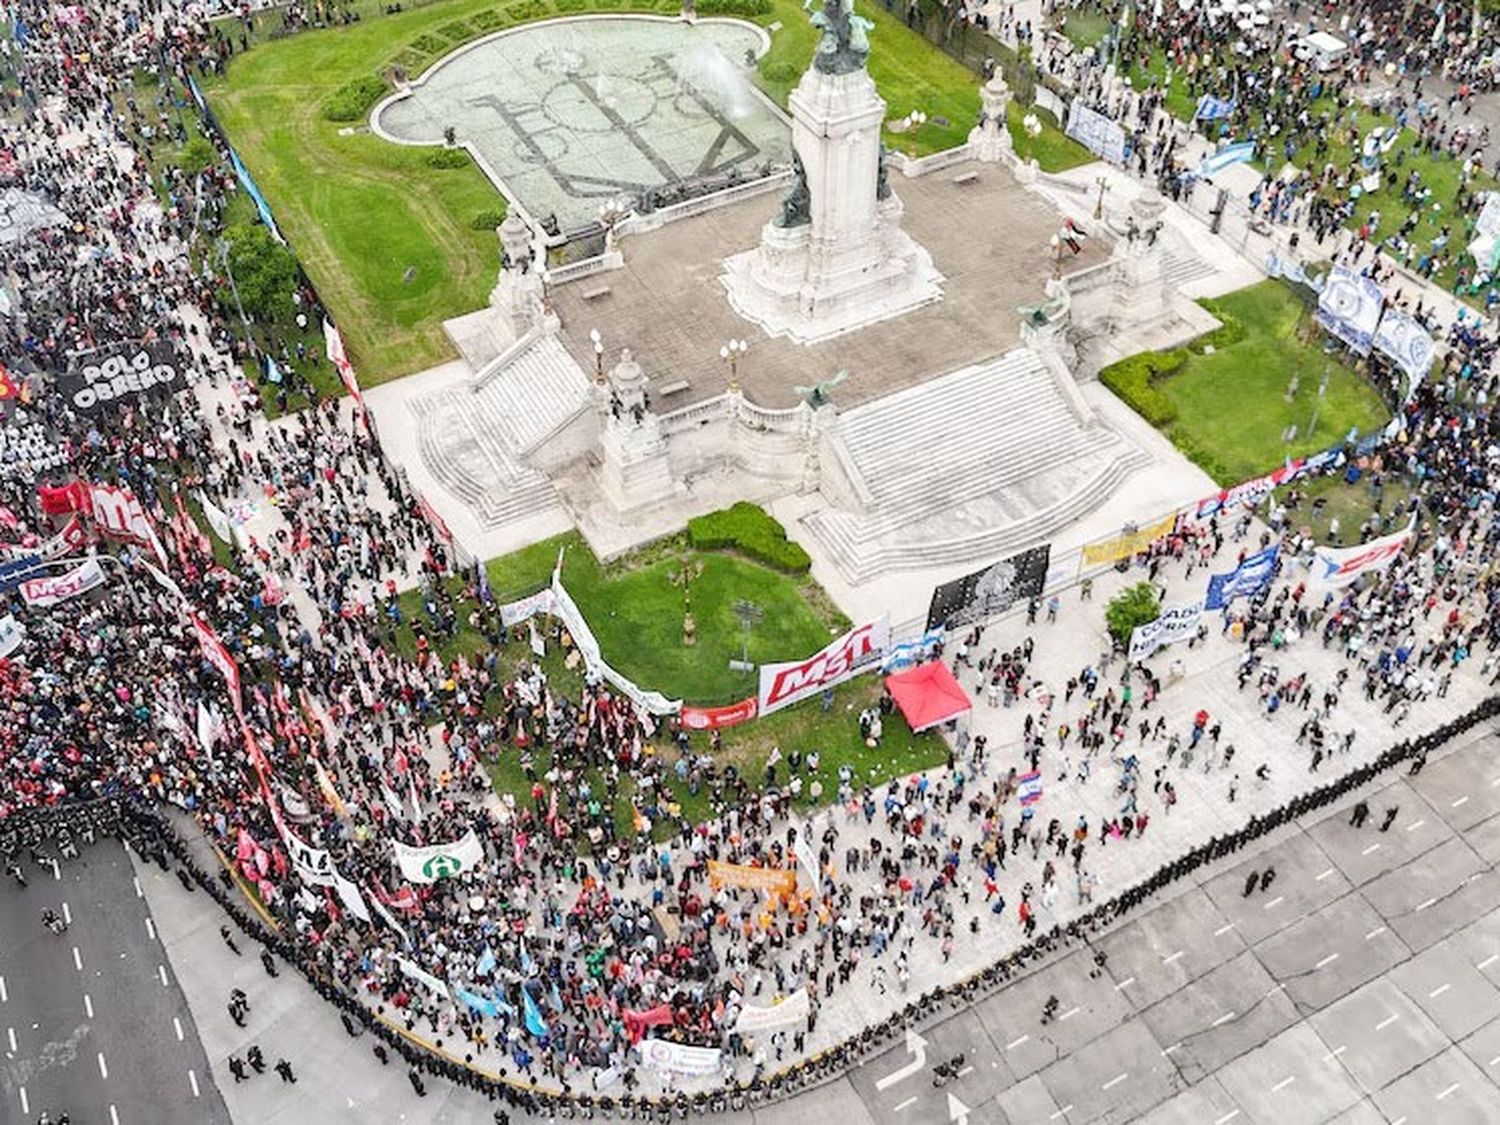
pixel 1085 29
pixel 1053 150
pixel 1329 497
pixel 1231 409
pixel 389 239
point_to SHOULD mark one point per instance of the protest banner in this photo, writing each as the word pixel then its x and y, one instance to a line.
pixel 1118 547
pixel 56 588
pixel 859 649
pixel 1174 625
pixel 786 1012
pixel 782 881
pixel 439 861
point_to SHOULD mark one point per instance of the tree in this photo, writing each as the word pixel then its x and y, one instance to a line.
pixel 265 272
pixel 1133 606
pixel 197 155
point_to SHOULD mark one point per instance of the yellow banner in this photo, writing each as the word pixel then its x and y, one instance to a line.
pixel 1123 546
pixel 759 878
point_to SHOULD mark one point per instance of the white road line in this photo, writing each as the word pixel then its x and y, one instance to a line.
pixel 177 1027
pixel 1167 960
pixel 1485 964
pixel 1385 1023
pixel 1224 929
pixel 1275 988
pixel 138 892
pixel 1375 933
pixel 1067 1109
pixel 88 1005
pixel 1323 876
pixel 25 1101
pixel 1421 906
pixel 1494 782
pixel 77 959
pixel 57 871
pixel 964 1071
pixel 1371 848
pixel 1335 1053
pixel 1014 1043
pixel 1126 983
pixel 1329 960
pixel 1283 1084
pixel 103 1070
pixel 1115 1081
pixel 161 971
pixel 909 1101
pixel 4 995
pixel 1438 991
pixel 1070 1013
pixel 1493 1061
pixel 1277 901
pixel 1400 1120
pixel 10 1033
pixel 150 930
pixel 1448 1091
pixel 1225 1018
pixel 114 1115
pixel 67 914
pixel 1173 1047
pixel 1230 1116
pixel 1414 825
pixel 1459 803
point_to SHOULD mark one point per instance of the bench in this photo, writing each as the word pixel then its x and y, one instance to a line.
pixel 595 292
pixel 966 177
pixel 676 387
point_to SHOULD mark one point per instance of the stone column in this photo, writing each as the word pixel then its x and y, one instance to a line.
pixel 635 469
pixel 990 140
pixel 1141 286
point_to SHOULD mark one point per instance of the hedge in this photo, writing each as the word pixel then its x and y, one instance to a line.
pixel 749 528
pixel 733 7
pixel 447 158
pixel 1134 380
pixel 352 100
pixel 1230 331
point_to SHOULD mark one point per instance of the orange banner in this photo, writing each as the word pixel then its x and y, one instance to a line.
pixel 757 878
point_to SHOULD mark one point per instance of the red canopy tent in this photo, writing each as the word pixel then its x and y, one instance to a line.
pixel 928 695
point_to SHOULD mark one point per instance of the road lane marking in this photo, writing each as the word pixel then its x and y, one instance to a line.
pixel 1421 906
pixel 1329 960
pixel 1323 876
pixel 1230 1116
pixel 1275 988
pixel 964 1071
pixel 1335 1053
pixel 1014 1043
pixel 177 1027
pixel 114 1115
pixel 88 1005
pixel 1225 1018
pixel 1126 983
pixel 150 930
pixel 1438 991
pixel 1115 1081
pixel 161 971
pixel 4 995
pixel 1412 827
pixel 1459 803
pixel 1448 1091
pixel 1277 901
pixel 67 915
pixel 77 959
pixel 10 1033
pixel 1485 964
pixel 898 1109
pixel 57 871
pixel 1283 1084
pixel 1067 1109
pixel 1224 929
pixel 1494 782
pixel 1493 1061
pixel 1375 933
pixel 1385 1023
pixel 138 892
pixel 103 1069
pixel 1167 960
pixel 1070 1013
pixel 25 1101
pixel 1173 1047
pixel 1371 848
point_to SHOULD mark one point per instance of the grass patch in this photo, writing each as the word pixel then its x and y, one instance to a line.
pixel 1052 149
pixel 748 528
pixel 1085 29
pixel 1322 500
pixel 1226 409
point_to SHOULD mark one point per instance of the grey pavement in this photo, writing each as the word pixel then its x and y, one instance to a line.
pixel 95 1024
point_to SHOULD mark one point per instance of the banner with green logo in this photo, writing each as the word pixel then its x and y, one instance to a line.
pixel 439 861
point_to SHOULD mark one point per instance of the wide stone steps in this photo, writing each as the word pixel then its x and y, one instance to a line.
pixel 536 393
pixel 1183 269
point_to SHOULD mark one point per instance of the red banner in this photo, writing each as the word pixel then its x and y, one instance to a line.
pixel 715 718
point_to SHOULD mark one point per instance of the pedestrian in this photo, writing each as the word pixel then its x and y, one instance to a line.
pixel 269 962
pixel 1361 814
pixel 229 940
pixel 256 1060
pixel 416 1082
pixel 284 1069
pixel 237 1014
pixel 1251 882
pixel 1390 818
pixel 237 1068
pixel 1267 878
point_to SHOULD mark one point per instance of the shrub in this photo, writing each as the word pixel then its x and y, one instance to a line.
pixel 457 31
pixel 447 158
pixel 1133 379
pixel 430 44
pixel 411 60
pixel 489 20
pixel 780 73
pixel 526 10
pixel 1231 329
pixel 197 155
pixel 570 5
pixel 487 219
pixel 265 272
pixel 747 8
pixel 1132 606
pixel 750 529
pixel 352 100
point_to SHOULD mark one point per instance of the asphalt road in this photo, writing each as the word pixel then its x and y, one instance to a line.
pixel 1363 986
pixel 94 1023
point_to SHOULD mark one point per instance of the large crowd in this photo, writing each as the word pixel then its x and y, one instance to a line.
pixel 592 920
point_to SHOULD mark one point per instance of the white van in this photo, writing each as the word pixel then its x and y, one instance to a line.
pixel 1324 51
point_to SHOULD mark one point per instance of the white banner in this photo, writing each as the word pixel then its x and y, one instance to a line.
pixel 1095 132
pixel 1349 307
pixel 390 920
pixel 1408 343
pixel 678 1058
pixel 538 603
pixel 208 728
pixel 439 861
pixel 313 865
pixel 349 895
pixel 859 649
pixel 1339 566
pixel 218 519
pixel 790 1011
pixel 1174 625
pixel 11 632
pixel 433 984
pixel 61 587
pixel 564 608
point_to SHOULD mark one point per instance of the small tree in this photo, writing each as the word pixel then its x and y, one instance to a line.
pixel 264 270
pixel 197 155
pixel 1133 606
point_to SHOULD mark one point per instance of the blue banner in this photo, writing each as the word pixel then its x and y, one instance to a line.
pixel 533 1017
pixel 1211 108
pixel 13 573
pixel 1240 153
pixel 1244 581
pixel 907 653
pixel 248 183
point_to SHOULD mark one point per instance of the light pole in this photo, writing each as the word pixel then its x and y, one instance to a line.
pixel 1103 184
pixel 732 351
pixel 233 288
pixel 598 355
pixel 1318 402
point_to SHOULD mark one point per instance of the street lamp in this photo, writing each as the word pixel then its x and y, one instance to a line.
pixel 732 351
pixel 598 355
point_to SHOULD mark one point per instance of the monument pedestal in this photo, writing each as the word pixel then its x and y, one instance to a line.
pixel 990 140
